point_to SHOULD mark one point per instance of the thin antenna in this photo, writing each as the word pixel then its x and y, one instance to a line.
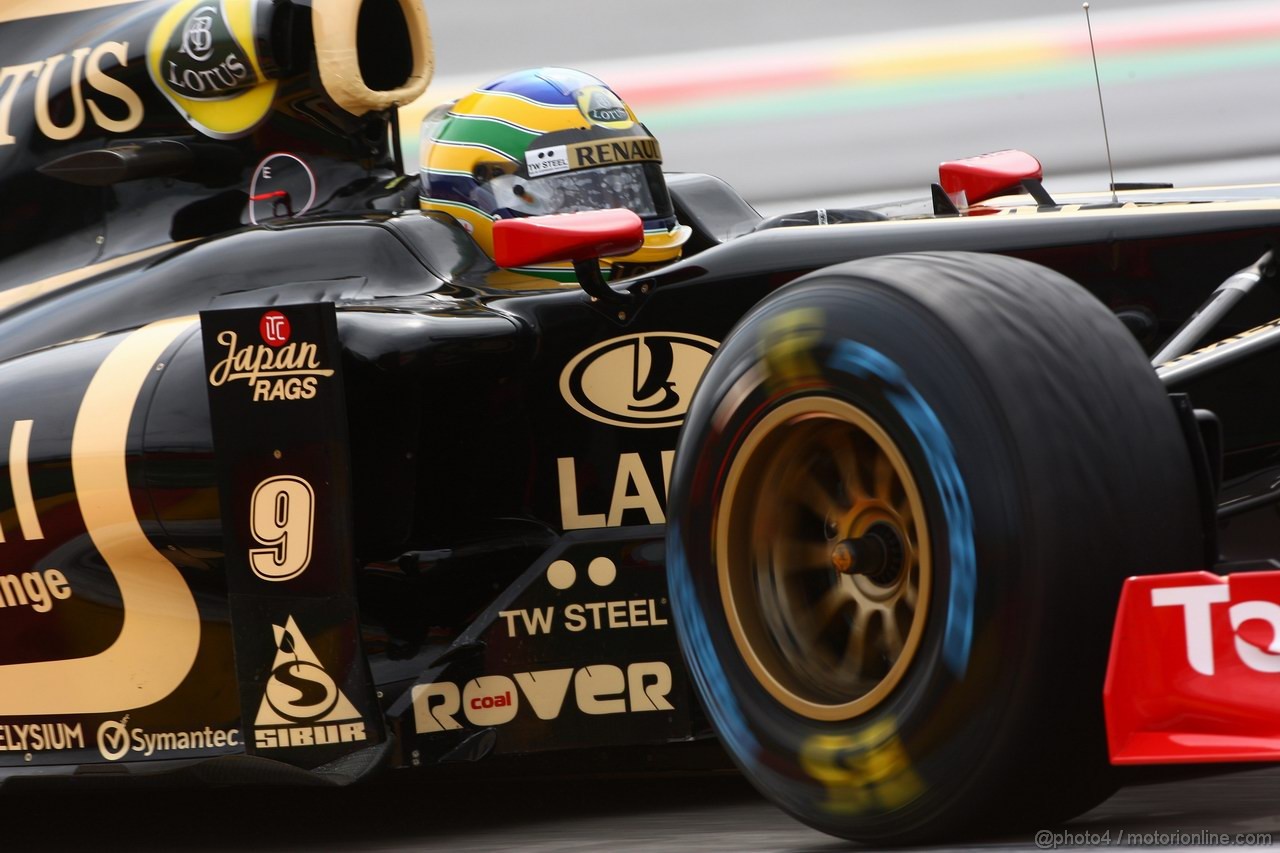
pixel 1098 80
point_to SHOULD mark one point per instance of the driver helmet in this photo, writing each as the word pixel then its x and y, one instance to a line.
pixel 544 141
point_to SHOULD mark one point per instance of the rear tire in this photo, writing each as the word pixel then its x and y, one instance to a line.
pixel 992 449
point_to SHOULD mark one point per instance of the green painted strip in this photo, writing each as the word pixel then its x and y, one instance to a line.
pixel 563 276
pixel 511 124
pixel 495 134
pixel 856 96
pixel 442 203
pixel 457 173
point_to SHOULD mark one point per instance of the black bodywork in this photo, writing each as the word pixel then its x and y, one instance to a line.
pixel 473 479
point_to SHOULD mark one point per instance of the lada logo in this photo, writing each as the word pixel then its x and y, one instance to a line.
pixel 644 380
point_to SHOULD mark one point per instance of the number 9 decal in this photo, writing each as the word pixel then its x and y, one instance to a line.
pixel 281 517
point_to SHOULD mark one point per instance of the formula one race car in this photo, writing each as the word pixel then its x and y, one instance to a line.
pixel 299 484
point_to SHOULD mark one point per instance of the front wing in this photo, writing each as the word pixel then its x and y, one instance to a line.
pixel 1194 674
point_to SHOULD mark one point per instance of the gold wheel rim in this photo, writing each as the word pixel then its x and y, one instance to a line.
pixel 813 473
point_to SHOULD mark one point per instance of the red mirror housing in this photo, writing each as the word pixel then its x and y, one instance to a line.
pixel 566 237
pixel 987 175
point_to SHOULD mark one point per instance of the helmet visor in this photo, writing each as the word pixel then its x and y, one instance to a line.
pixel 636 186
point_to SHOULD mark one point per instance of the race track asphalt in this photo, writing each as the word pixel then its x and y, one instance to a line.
pixel 696 814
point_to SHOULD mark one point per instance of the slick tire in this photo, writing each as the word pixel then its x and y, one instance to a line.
pixel 905 499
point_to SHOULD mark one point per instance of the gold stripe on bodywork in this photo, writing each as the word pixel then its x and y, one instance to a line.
pixel 26 292
pixel 17 10
pixel 161 630
pixel 20 479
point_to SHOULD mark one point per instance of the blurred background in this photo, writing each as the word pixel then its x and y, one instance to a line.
pixel 848 101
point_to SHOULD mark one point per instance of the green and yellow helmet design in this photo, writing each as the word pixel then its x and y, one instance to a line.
pixel 548 140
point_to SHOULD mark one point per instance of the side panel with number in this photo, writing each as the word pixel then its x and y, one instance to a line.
pixel 282 515
pixel 280 438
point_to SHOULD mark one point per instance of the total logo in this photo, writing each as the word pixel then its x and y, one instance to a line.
pixel 1255 625
pixel 302 705
pixel 276 369
pixel 495 700
pixel 643 381
pixel 116 740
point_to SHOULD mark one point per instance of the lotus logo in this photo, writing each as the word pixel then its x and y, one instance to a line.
pixel 195 56
pixel 197 34
pixel 603 107
pixel 607 114
pixel 644 380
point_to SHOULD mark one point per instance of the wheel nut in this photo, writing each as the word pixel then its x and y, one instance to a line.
pixel 869 555
pixel 843 556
